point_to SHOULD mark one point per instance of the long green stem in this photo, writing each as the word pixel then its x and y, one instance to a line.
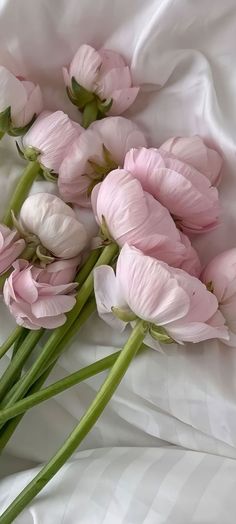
pixel 50 347
pixel 81 430
pixel 9 428
pixel 18 361
pixel 5 380
pixel 86 312
pixel 10 340
pixel 58 387
pixel 21 191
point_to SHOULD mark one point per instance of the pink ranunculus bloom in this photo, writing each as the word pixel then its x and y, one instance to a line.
pixel 187 193
pixel 135 217
pixel 11 247
pixel 40 297
pixel 49 139
pixel 191 263
pixel 193 151
pixel 87 162
pixel 54 223
pixel 220 276
pixel 159 294
pixel 23 97
pixel 104 73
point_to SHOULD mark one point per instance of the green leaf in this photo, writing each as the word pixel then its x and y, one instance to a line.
pixel 5 120
pixel 80 94
pixel 89 114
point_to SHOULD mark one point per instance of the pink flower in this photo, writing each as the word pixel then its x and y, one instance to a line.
pixel 193 151
pixel 54 224
pixel 220 276
pixel 49 139
pixel 24 99
pixel 135 217
pixel 186 192
pixel 96 152
pixel 191 263
pixel 162 296
pixel 103 73
pixel 40 297
pixel 11 246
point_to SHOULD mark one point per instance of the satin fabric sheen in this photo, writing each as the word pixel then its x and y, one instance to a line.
pixel 167 441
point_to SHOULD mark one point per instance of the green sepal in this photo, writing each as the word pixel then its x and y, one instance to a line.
pixel 31 153
pixel 20 151
pixel 5 120
pixel 90 114
pixel 126 315
pixel 19 131
pixel 80 95
pixel 49 175
pixel 160 334
pixel 104 106
pixel 101 171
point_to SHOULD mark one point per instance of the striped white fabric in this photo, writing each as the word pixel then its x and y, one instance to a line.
pixel 133 486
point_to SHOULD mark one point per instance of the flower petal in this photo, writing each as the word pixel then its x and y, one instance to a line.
pixel 85 66
pixel 122 99
pixel 108 295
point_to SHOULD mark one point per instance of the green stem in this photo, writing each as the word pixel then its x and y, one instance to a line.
pixel 88 266
pixel 2 133
pixel 81 430
pixel 10 340
pixel 21 192
pixel 25 351
pixel 58 387
pixel 18 361
pixel 9 428
pixel 86 312
pixel 51 345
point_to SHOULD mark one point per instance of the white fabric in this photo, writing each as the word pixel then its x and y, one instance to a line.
pixel 183 56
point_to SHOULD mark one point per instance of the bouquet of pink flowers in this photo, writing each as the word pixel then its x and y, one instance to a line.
pixel 131 258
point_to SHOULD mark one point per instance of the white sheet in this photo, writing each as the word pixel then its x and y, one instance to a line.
pixel 183 54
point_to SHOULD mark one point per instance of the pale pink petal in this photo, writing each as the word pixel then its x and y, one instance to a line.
pixel 118 134
pixel 108 295
pixel 122 99
pixel 53 306
pixel 113 80
pixel 12 92
pixel 85 66
pixel 191 262
pixel 52 135
pixel 25 287
pixel 149 289
pixel 33 106
pixel 194 152
pixel 110 60
pixel 66 77
pixel 55 224
pixel 196 332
